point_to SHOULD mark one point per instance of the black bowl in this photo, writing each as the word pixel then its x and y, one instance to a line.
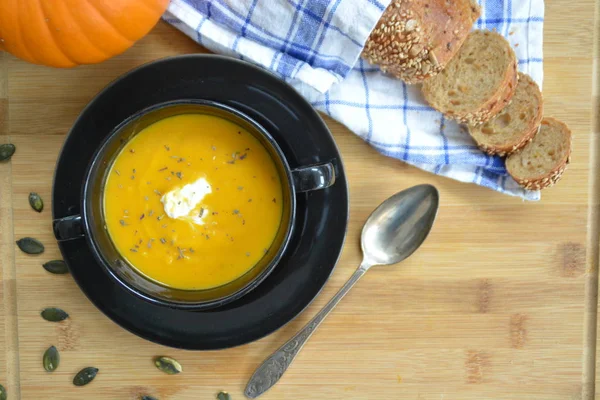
pixel 321 216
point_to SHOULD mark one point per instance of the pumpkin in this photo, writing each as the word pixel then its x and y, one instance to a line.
pixel 66 33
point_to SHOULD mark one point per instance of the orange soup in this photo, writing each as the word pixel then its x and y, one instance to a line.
pixel 193 201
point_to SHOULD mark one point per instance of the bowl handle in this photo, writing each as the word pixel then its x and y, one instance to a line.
pixel 67 228
pixel 314 177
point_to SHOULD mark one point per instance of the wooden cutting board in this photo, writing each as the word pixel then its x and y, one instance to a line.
pixel 499 303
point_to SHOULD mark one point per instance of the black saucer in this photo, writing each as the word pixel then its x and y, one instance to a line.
pixel 304 138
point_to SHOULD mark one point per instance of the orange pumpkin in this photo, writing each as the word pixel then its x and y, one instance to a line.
pixel 66 33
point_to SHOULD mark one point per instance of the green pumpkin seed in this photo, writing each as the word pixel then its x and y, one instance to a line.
pixel 6 152
pixel 148 398
pixel 53 314
pixel 3 395
pixel 51 359
pixel 168 365
pixel 85 376
pixel 223 396
pixel 56 267
pixel 30 245
pixel 36 202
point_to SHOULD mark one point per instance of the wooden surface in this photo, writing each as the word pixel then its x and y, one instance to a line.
pixel 499 303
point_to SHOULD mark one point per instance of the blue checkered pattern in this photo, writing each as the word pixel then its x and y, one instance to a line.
pixel 315 46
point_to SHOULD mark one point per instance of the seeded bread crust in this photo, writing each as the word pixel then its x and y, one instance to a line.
pixel 493 151
pixel 483 112
pixel 524 83
pixel 555 174
pixel 415 39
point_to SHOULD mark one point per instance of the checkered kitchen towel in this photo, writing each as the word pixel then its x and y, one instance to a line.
pixel 315 46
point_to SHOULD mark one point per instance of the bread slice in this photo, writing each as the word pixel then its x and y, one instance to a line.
pixel 478 83
pixel 516 124
pixel 415 39
pixel 542 162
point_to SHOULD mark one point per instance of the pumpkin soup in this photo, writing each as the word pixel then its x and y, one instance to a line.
pixel 193 201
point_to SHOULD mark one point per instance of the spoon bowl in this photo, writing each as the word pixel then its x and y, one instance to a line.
pixel 399 226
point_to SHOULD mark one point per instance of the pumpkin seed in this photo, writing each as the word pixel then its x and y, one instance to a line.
pixel 36 202
pixel 51 359
pixel 168 365
pixel 53 314
pixel 223 396
pixel 6 151
pixel 30 245
pixel 85 376
pixel 56 267
pixel 2 393
pixel 148 398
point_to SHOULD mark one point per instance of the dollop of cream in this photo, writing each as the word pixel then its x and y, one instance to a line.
pixel 183 203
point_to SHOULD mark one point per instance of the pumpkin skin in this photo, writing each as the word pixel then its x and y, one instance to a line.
pixel 66 33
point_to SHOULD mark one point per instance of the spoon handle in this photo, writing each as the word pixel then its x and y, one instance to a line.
pixel 273 367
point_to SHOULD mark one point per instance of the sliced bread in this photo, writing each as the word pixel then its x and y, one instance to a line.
pixel 516 124
pixel 415 39
pixel 542 162
pixel 478 82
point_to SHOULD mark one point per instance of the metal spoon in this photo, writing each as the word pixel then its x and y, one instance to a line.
pixel 392 233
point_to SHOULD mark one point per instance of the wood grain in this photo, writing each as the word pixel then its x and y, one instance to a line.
pixel 499 303
pixel 590 357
